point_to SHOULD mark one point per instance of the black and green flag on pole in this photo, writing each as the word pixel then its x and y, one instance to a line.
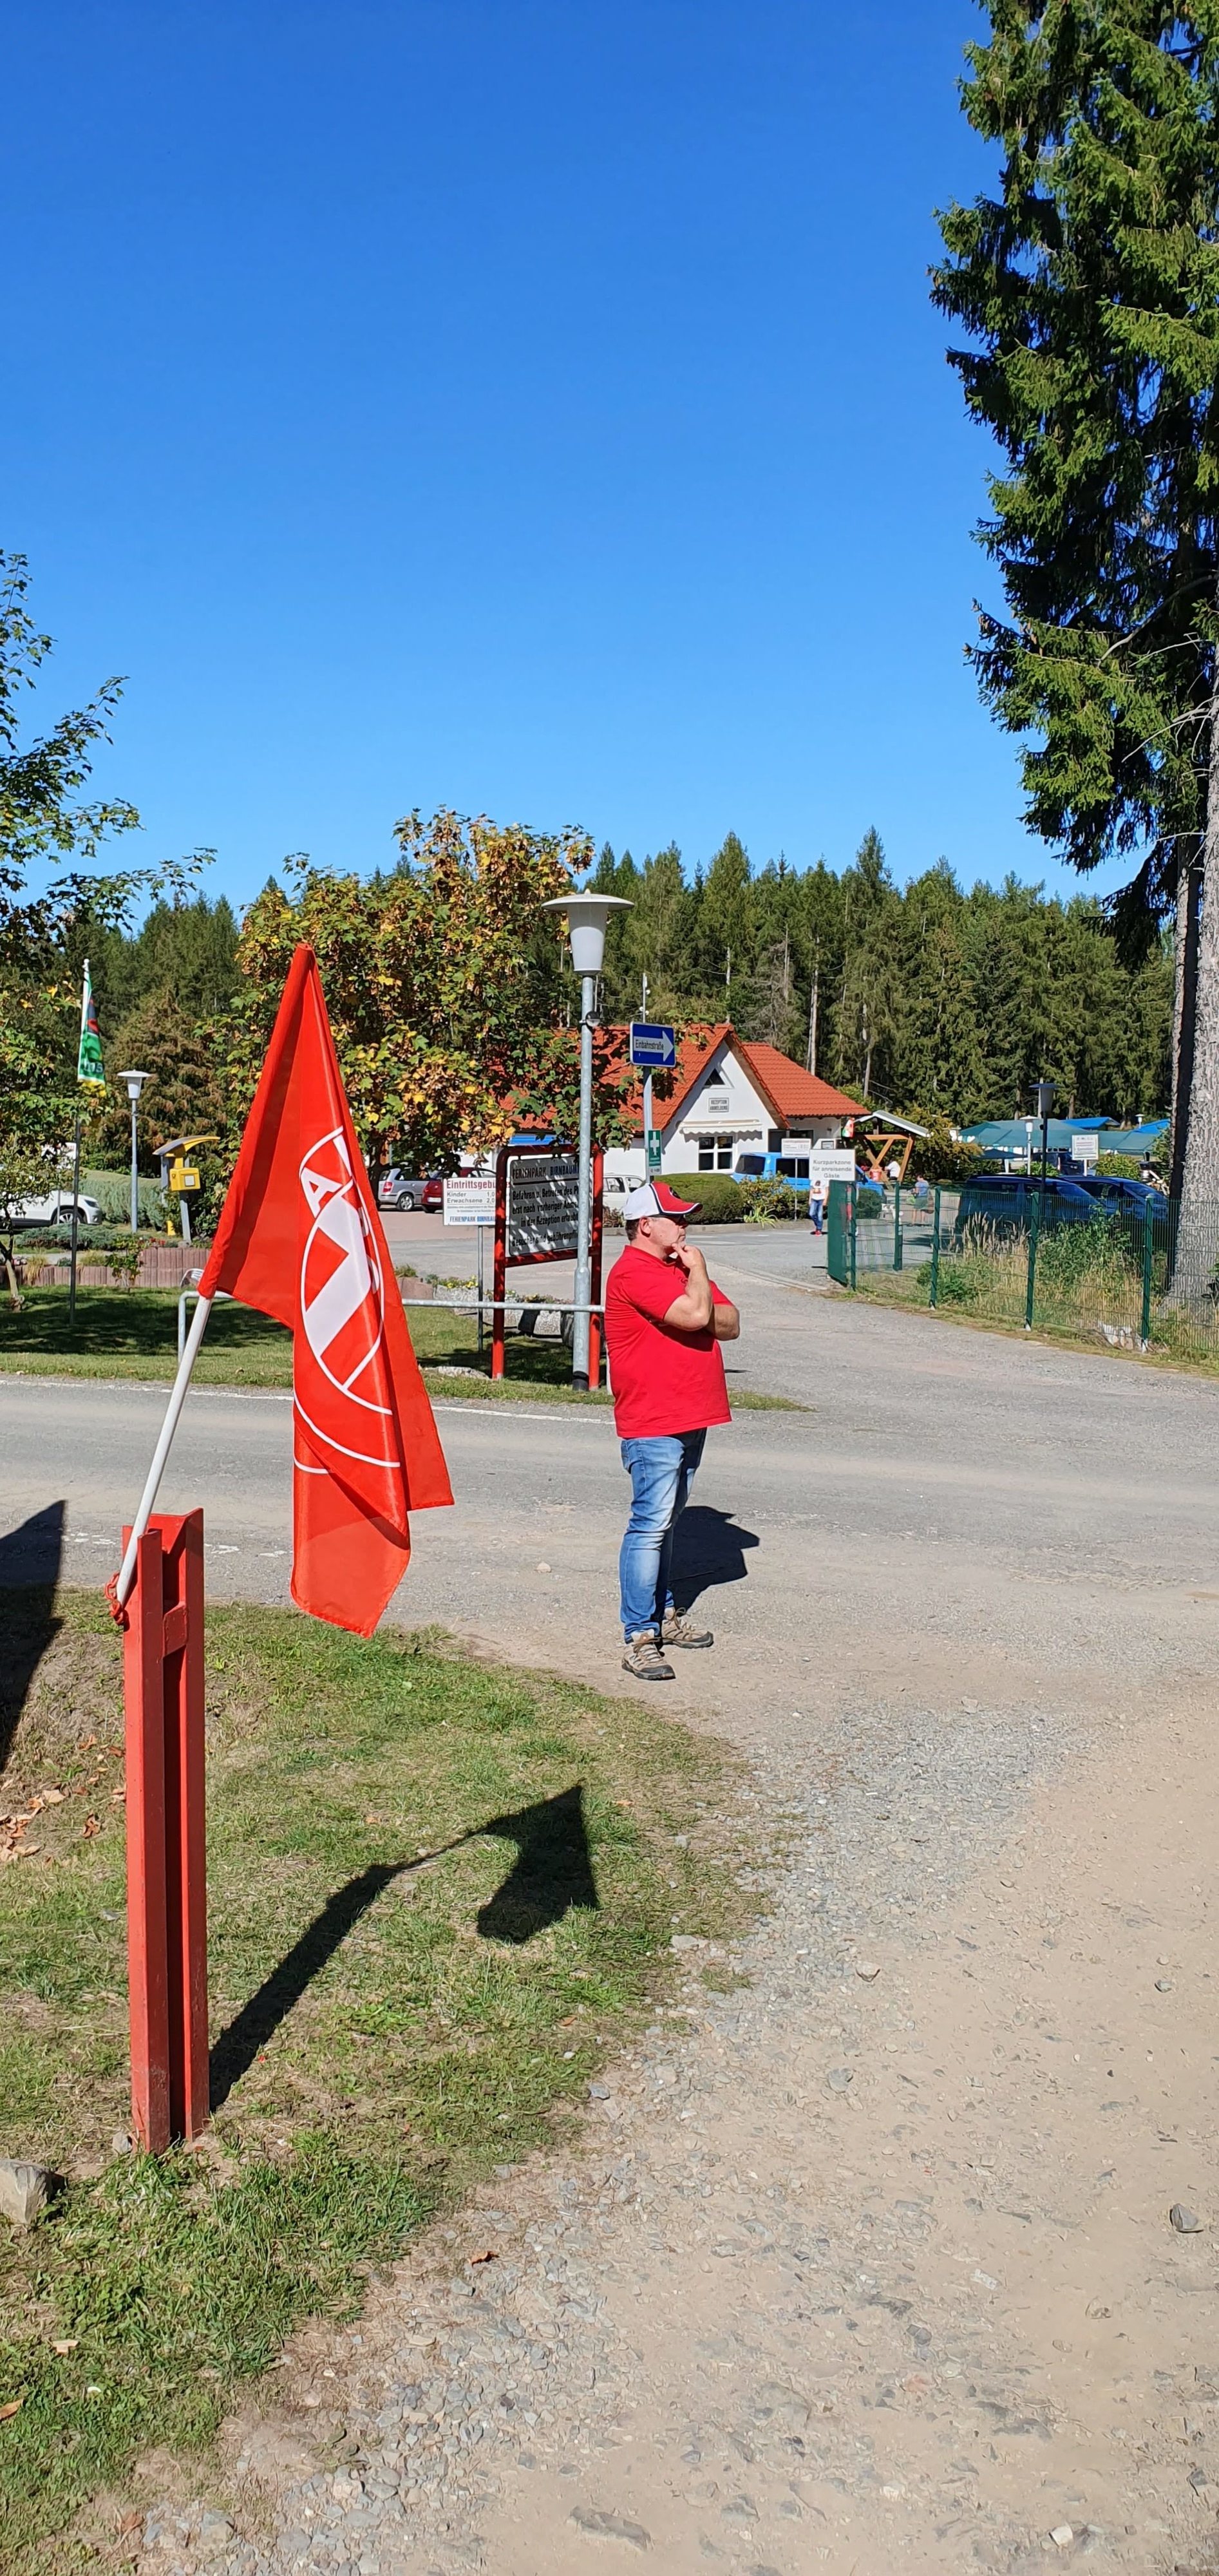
pixel 91 1074
pixel 89 1066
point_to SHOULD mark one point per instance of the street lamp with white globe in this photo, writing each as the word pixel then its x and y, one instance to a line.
pixel 135 1082
pixel 587 918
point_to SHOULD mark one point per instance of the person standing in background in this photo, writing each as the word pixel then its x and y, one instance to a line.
pixel 664 1322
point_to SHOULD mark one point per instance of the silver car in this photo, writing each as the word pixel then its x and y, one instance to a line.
pixel 396 1189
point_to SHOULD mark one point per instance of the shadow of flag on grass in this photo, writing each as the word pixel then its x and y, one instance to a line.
pixel 552 1871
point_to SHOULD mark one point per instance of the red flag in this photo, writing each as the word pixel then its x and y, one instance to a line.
pixel 300 1239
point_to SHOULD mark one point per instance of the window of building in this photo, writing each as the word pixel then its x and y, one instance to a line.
pixel 715 1153
pixel 774 1140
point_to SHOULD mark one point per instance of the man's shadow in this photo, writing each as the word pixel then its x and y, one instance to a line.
pixel 552 1872
pixel 30 1559
pixel 709 1547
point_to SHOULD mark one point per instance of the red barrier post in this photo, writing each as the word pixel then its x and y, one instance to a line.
pixel 166 1833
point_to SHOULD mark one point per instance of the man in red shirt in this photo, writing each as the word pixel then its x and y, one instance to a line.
pixel 664 1322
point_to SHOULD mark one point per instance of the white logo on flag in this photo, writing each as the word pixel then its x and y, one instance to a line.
pixel 340 1298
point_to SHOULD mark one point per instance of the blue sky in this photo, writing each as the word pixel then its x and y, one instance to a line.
pixel 527 405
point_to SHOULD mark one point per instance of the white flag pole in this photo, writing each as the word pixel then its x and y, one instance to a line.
pixel 177 1398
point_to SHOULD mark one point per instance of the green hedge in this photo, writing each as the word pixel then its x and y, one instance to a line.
pixel 720 1195
pixel 112 1190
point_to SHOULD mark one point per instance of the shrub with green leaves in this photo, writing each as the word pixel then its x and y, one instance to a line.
pixel 721 1197
pixel 762 1200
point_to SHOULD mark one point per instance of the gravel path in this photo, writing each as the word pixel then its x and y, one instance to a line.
pixel 868 2262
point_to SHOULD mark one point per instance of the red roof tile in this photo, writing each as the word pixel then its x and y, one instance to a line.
pixel 795 1092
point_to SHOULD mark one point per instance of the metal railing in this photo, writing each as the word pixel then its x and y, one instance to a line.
pixel 457 1305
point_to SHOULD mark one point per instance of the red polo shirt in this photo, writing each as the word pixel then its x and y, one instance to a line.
pixel 664 1381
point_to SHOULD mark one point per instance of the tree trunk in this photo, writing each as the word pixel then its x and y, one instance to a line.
pixel 1184 1004
pixel 1197 1252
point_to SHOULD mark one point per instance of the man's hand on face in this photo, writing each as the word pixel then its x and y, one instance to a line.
pixel 688 1258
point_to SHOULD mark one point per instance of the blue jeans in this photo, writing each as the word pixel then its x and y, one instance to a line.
pixel 661 1471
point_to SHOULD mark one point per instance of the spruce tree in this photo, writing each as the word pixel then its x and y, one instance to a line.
pixel 1089 288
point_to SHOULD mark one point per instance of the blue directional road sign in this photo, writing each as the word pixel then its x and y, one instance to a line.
pixel 653 1045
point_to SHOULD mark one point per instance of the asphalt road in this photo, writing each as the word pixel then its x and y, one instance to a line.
pixel 980 1496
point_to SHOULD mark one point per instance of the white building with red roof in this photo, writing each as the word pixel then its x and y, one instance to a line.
pixel 734 1096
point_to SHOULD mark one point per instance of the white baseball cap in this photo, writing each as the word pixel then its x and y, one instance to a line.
pixel 655 1198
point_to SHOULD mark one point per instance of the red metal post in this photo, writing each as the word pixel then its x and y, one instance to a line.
pixel 147 1946
pixel 166 1833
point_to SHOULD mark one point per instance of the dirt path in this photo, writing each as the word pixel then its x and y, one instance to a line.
pixel 859 2271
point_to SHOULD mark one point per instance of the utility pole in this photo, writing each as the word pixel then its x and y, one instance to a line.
pixel 812 1009
pixel 647 1097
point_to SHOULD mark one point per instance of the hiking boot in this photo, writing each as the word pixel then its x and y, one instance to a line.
pixel 643 1658
pixel 677 1631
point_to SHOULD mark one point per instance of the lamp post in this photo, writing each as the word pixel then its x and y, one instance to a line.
pixel 587 916
pixel 135 1083
pixel 1029 1125
pixel 1045 1102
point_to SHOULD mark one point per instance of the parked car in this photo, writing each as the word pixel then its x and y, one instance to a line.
pixel 792 1168
pixel 1002 1202
pixel 56 1209
pixel 433 1193
pixel 398 1189
pixel 1113 1193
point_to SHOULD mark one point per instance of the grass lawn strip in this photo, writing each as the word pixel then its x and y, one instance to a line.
pixel 440 1894
pixel 123 1333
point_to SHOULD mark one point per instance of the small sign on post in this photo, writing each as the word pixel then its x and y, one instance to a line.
pixel 469 1198
pixel 536 1218
pixel 832 1162
pixel 655 1152
pixel 653 1044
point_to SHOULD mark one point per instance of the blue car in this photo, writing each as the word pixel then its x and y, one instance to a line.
pixel 792 1168
pixel 1113 1193
pixel 1003 1202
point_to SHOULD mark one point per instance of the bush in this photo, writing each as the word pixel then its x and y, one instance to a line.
pixel 1068 1255
pixel 1119 1167
pixel 89 1238
pixel 112 1190
pixel 722 1197
pixel 761 1200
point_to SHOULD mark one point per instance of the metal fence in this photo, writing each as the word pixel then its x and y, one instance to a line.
pixel 1136 1279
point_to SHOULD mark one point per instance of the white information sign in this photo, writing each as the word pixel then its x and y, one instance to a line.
pixel 1084 1149
pixel 543 1204
pixel 831 1163
pixel 469 1198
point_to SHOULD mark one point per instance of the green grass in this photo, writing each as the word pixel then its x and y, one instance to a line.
pixel 134 1334
pixel 439 1894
